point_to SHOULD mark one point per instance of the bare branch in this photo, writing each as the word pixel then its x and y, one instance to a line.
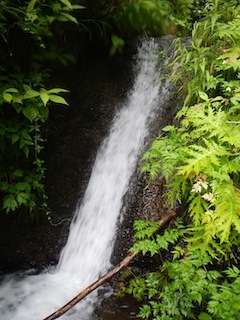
pixel 105 278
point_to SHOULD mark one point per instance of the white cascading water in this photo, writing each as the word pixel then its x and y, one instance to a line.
pixel 87 253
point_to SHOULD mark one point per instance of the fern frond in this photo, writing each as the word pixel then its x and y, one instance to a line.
pixel 202 158
pixel 204 119
pixel 227 211
pixel 232 135
pixel 197 208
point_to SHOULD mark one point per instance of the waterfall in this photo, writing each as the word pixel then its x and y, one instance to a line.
pixel 87 253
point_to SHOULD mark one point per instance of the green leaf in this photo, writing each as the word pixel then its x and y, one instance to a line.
pixel 7 97
pixel 30 113
pixel 31 94
pixel 4 186
pixel 57 99
pixel 233 272
pixel 56 90
pixel 145 312
pixel 14 138
pixel 9 203
pixel 44 97
pixel 204 316
pixel 67 3
pixel 17 100
pixel 67 17
pixel 18 173
pixel 162 242
pixel 31 5
pixel 22 186
pixel 44 111
pixel 11 90
pixel 22 198
pixel 78 6
pixel 26 87
pixel 26 151
pixel 117 45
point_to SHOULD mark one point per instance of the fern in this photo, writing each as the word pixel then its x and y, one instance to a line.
pixel 148 242
pixel 200 161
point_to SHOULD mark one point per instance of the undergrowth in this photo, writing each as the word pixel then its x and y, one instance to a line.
pixel 200 161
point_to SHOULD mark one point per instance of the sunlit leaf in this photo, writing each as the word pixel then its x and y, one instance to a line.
pixel 57 99
pixel 7 97
pixel 44 97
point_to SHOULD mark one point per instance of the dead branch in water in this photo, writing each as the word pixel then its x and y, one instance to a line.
pixel 105 278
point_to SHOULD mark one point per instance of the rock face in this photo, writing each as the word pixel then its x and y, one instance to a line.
pixel 97 85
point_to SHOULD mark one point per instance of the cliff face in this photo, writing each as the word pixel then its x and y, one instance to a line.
pixel 97 86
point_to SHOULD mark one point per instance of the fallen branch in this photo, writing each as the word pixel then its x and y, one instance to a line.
pixel 105 278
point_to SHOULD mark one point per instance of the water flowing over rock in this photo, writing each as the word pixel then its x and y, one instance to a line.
pixel 87 254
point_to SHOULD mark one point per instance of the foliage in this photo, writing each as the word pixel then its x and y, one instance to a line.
pixel 124 19
pixel 199 159
pixel 25 28
pixel 37 35
pixel 187 285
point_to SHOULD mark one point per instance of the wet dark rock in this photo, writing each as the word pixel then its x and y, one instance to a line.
pixel 97 87
pixel 125 308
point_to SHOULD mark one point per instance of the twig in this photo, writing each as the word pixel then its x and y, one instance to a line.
pixel 105 278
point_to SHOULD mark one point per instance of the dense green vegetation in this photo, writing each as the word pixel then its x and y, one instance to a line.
pixel 35 37
pixel 200 161
pixel 198 155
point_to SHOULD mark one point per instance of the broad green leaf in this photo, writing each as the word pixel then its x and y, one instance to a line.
pixel 31 94
pixel 67 3
pixel 11 90
pixel 203 96
pixel 30 113
pixel 204 316
pixel 31 5
pixel 22 186
pixel 78 6
pixel 14 138
pixel 67 17
pixel 26 87
pixel 44 97
pixel 28 142
pixel 7 97
pixel 57 99
pixel 26 151
pixel 56 90
pixel 26 135
pixel 17 99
